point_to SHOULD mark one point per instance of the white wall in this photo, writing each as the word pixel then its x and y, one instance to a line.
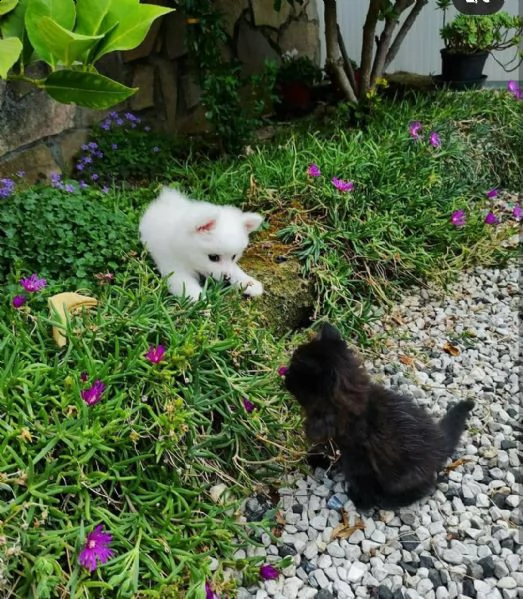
pixel 419 52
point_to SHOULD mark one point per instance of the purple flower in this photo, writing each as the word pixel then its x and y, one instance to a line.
pixel 113 114
pixel 313 170
pixel 7 187
pixel 69 188
pixel 84 147
pixel 209 593
pixel 147 128
pixel 20 174
pixel 93 394
pixel 92 145
pixel 94 177
pixel 105 189
pixel 514 89
pixel 84 376
pixel 492 193
pixel 248 405
pixel 491 219
pixel 88 160
pixel 156 149
pixel 106 125
pixel 268 572
pixel 517 212
pixel 80 166
pixel 458 218
pixel 33 283
pixel 99 154
pixel 114 146
pixel 82 184
pixel 119 122
pixel 282 370
pixel 341 185
pixel 434 139
pixel 56 180
pixel 155 354
pixel 96 548
pixel 19 301
pixel 415 129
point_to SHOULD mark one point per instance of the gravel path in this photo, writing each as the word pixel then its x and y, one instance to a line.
pixel 463 541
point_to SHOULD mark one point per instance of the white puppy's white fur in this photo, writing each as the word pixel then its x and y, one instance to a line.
pixel 188 238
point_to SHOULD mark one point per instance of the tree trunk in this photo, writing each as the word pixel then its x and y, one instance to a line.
pixel 367 46
pixel 404 29
pixel 331 42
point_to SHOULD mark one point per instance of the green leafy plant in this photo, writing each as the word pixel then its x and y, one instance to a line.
pixel 468 34
pixel 63 234
pixel 298 68
pixel 69 37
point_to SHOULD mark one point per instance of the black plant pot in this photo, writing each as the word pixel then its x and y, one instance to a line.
pixel 462 67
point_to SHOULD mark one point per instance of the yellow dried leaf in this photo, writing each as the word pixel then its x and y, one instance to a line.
pixel 407 360
pixel 451 349
pixel 342 531
pixel 456 464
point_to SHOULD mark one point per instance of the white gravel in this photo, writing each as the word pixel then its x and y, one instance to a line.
pixel 463 541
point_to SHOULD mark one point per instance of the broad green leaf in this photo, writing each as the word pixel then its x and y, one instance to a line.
pixel 61 11
pixel 7 6
pixel 90 15
pixel 13 26
pixel 65 45
pixel 134 21
pixel 91 90
pixel 10 49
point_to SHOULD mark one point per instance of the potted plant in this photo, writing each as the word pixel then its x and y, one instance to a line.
pixel 295 80
pixel 468 42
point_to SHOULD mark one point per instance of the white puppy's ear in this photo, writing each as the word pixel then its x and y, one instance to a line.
pixel 251 221
pixel 208 225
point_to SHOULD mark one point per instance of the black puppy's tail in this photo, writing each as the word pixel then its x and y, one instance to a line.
pixel 453 423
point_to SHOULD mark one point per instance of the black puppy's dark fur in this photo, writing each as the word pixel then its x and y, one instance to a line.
pixel 391 449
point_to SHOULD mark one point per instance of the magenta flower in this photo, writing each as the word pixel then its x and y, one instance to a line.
pixel 155 354
pixel 96 548
pixel 491 219
pixel 492 193
pixel 415 129
pixel 313 170
pixel 341 185
pixel 19 301
pixel 282 370
pixel 458 218
pixel 209 593
pixel 517 212
pixel 33 283
pixel 514 89
pixel 93 394
pixel 268 572
pixel 248 405
pixel 435 140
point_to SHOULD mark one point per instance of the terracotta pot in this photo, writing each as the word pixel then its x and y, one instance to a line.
pixel 296 95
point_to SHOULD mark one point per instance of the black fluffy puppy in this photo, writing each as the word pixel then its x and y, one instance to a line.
pixel 391 449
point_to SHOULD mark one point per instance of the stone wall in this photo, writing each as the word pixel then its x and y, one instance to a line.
pixel 40 136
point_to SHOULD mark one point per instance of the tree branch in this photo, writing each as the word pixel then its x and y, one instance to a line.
pixel 346 61
pixel 331 43
pixel 404 29
pixel 367 46
pixel 391 21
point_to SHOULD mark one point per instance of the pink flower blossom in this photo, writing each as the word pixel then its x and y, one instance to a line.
pixel 155 354
pixel 268 572
pixel 282 370
pixel 514 89
pixel 458 218
pixel 93 394
pixel 19 301
pixel 491 219
pixel 96 548
pixel 33 283
pixel 209 593
pixel 313 170
pixel 415 129
pixel 248 405
pixel 517 212
pixel 492 193
pixel 341 185
pixel 435 139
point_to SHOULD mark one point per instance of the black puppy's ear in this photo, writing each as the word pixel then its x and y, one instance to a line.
pixel 329 333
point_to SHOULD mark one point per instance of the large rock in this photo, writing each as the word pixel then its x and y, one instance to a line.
pixel 231 11
pixel 143 79
pixel 70 143
pixel 175 34
pixel 38 163
pixel 303 36
pixel 168 75
pixel 265 15
pixel 253 49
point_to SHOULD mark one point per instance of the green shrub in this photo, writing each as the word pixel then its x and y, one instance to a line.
pixel 63 235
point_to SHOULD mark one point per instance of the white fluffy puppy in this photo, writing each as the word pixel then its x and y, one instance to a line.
pixel 189 239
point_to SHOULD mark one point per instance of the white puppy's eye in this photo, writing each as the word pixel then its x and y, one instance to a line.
pixel 214 257
pixel 234 256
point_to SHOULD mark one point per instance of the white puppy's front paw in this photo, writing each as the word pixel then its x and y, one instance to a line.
pixel 253 288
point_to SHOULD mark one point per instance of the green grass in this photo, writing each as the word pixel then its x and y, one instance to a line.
pixel 143 460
